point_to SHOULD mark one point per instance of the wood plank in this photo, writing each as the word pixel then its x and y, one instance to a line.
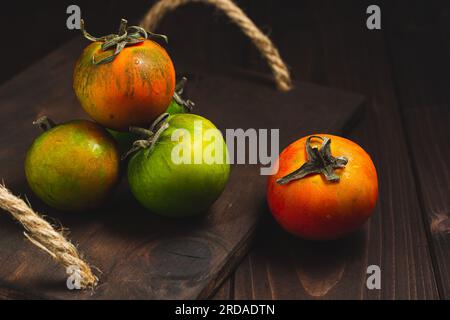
pixel 326 42
pixel 141 255
pixel 419 49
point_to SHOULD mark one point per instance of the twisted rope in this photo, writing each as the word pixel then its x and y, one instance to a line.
pixel 45 237
pixel 261 41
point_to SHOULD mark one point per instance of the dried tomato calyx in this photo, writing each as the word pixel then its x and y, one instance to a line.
pixel 187 104
pixel 150 136
pixel 45 123
pixel 126 36
pixel 319 161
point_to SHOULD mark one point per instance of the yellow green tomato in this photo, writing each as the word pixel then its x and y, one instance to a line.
pixel 72 166
pixel 183 171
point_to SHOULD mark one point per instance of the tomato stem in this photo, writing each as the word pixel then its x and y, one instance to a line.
pixel 158 122
pixel 151 135
pixel 45 123
pixel 126 36
pixel 319 161
pixel 187 104
pixel 144 133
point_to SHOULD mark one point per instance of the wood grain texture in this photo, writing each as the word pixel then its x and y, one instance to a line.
pixel 141 255
pixel 422 74
pixel 327 42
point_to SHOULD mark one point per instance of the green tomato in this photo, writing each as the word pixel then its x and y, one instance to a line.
pixel 72 166
pixel 169 188
pixel 175 107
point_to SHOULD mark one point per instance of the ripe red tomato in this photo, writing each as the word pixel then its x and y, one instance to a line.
pixel 132 89
pixel 327 197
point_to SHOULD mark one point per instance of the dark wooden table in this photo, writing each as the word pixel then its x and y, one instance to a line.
pixel 404 72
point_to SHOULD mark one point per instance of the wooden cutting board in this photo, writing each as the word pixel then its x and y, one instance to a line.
pixel 143 256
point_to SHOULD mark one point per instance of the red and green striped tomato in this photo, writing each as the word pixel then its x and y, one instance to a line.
pixel 179 190
pixel 73 166
pixel 132 90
